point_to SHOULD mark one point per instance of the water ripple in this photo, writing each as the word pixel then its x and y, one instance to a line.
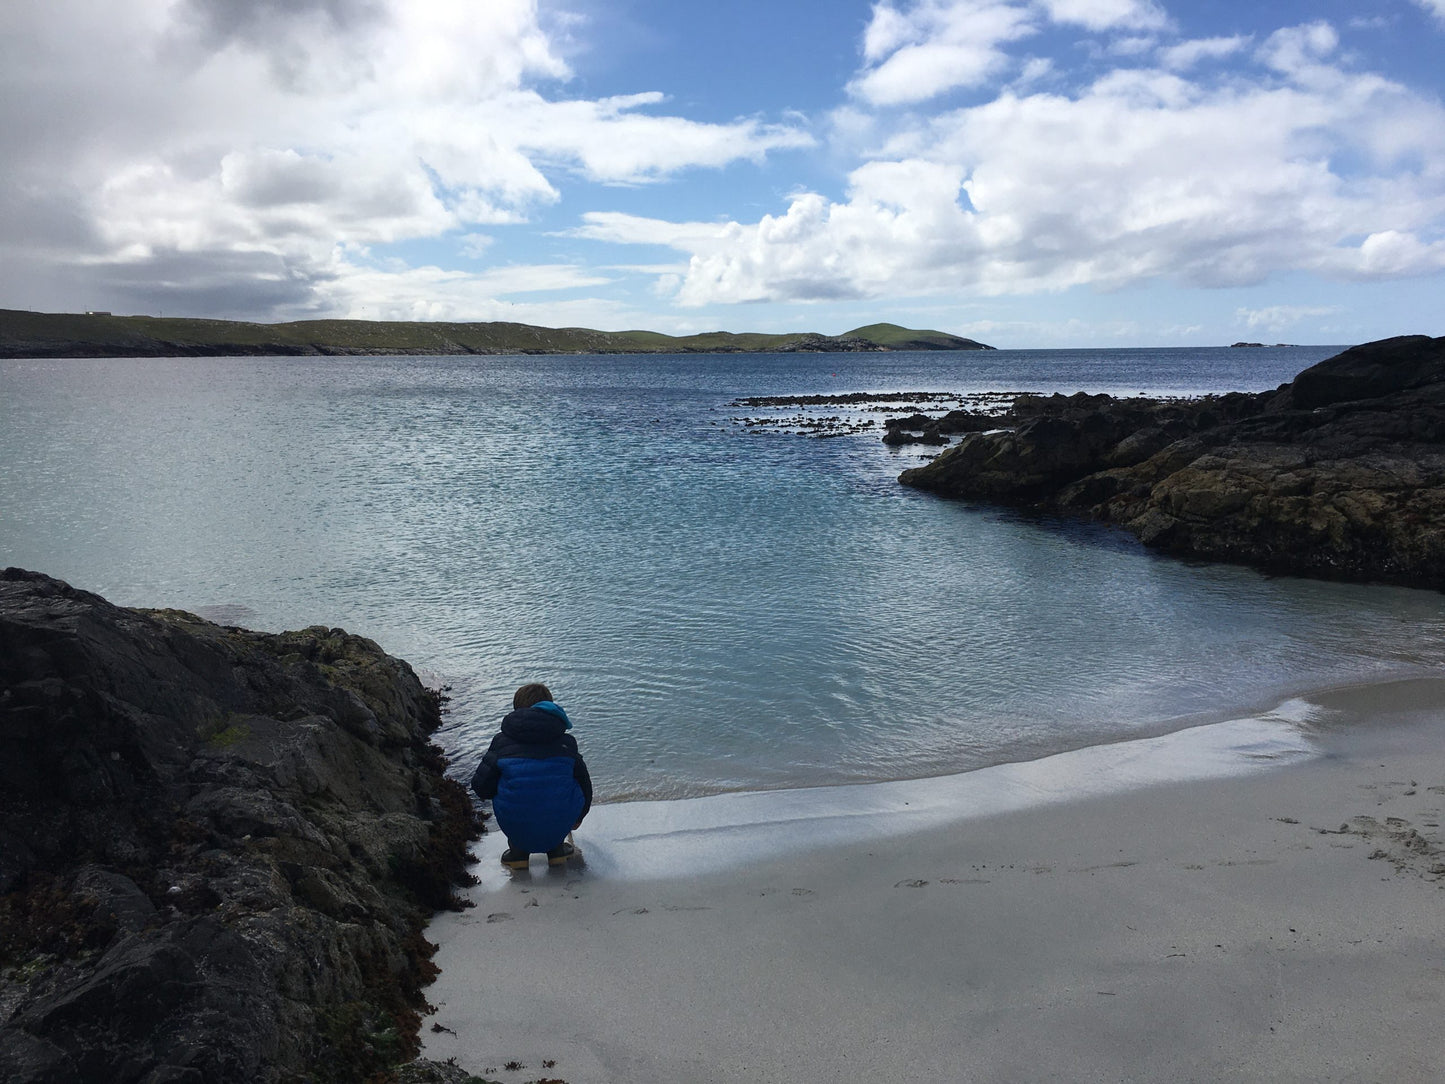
pixel 717 610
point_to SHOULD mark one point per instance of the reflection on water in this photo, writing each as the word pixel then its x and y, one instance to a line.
pixel 717 610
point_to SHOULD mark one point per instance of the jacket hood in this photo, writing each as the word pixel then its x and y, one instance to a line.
pixel 555 709
pixel 536 725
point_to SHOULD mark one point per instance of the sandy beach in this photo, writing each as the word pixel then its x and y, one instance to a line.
pixel 1258 899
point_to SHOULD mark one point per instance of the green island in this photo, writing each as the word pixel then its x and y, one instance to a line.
pixel 101 334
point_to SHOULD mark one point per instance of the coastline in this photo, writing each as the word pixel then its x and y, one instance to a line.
pixel 1333 475
pixel 1192 906
pixel 35 335
pixel 1277 703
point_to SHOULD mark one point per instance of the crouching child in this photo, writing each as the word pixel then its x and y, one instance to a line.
pixel 536 779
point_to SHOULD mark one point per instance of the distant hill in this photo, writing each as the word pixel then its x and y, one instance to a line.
pixel 893 337
pixel 59 335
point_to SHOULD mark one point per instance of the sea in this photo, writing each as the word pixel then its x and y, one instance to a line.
pixel 722 601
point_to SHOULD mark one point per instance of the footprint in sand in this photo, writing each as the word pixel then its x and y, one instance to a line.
pixel 499 916
pixel 910 884
pixel 802 891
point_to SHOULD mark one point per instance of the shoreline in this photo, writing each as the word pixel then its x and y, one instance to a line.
pixel 1265 702
pixel 643 839
pixel 1086 917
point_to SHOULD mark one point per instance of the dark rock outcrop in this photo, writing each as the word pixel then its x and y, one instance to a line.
pixel 919 428
pixel 828 344
pixel 217 847
pixel 1339 474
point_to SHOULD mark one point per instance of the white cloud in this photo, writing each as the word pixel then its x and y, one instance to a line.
pixel 244 157
pixel 1034 69
pixel 1276 318
pixel 1300 50
pixel 627 229
pixel 1057 332
pixel 887 30
pixel 1434 7
pixel 1132 45
pixel 1189 53
pixel 648 268
pixel 1107 14
pixel 357 291
pixel 916 53
pixel 936 46
pixel 474 245
pixel 1391 253
pixel 613 143
pixel 197 129
pixel 515 279
pixel 900 228
pixel 1143 174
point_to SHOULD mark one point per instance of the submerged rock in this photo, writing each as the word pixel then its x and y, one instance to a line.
pixel 217 847
pixel 1338 474
pixel 920 428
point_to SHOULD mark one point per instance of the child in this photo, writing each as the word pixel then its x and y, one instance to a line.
pixel 535 777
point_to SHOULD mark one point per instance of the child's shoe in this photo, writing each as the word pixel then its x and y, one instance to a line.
pixel 560 853
pixel 515 859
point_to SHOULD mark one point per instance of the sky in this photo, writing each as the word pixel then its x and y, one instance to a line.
pixel 1029 173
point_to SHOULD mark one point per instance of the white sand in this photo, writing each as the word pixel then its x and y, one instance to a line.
pixel 1178 909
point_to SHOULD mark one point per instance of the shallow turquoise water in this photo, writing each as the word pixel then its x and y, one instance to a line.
pixel 717 609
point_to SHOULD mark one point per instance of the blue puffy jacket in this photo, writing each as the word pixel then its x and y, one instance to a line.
pixel 535 777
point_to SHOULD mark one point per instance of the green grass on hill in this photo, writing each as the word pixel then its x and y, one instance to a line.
pixel 35 334
pixel 901 338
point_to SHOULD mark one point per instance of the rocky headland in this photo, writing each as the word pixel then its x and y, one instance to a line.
pixel 218 847
pixel 1338 474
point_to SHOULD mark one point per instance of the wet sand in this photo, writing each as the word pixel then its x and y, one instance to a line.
pixel 1257 900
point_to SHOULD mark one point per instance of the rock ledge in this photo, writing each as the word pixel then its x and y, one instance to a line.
pixel 217 847
pixel 1338 474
